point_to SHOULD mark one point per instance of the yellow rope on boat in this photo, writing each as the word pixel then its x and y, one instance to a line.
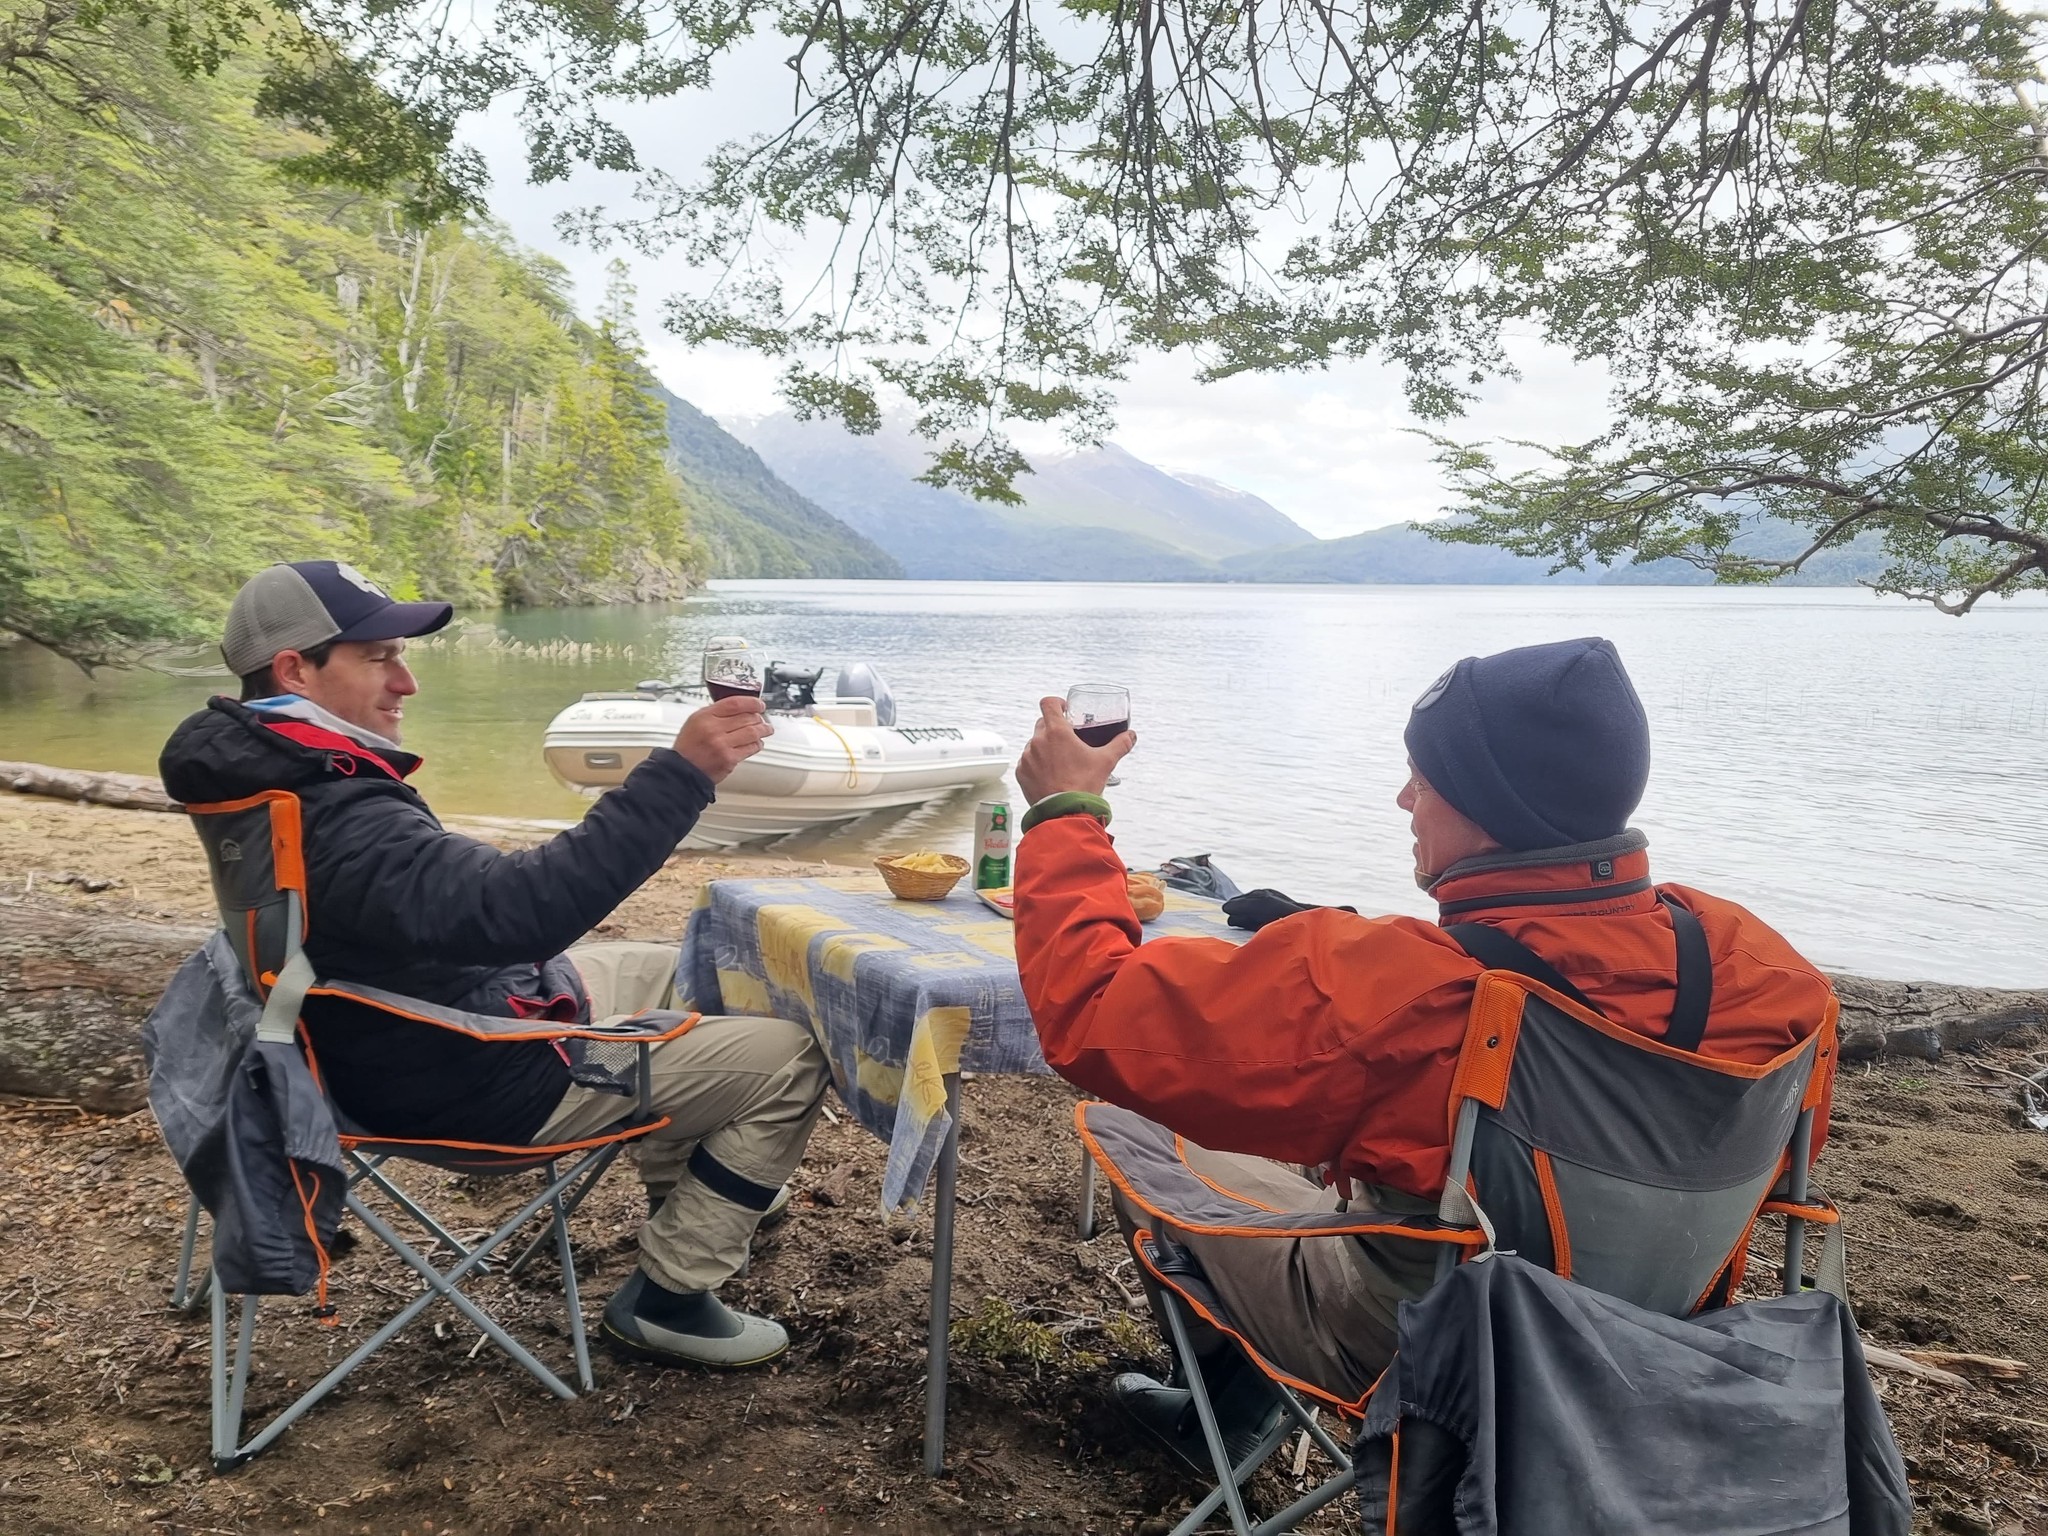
pixel 852 762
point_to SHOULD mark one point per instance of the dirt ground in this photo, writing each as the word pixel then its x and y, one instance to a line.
pixel 147 865
pixel 103 1397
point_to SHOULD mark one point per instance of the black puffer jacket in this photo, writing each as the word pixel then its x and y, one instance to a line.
pixel 395 900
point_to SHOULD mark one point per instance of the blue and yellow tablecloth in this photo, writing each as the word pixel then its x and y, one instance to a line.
pixel 900 993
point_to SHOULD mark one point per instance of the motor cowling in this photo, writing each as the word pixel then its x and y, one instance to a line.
pixel 858 680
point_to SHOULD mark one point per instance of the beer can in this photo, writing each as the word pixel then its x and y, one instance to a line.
pixel 992 845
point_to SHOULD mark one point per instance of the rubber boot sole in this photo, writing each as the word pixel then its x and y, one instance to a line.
pixel 633 1349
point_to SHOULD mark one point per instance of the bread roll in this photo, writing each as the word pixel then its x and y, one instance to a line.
pixel 1148 896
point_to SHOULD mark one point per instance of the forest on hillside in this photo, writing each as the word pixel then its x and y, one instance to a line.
pixel 210 360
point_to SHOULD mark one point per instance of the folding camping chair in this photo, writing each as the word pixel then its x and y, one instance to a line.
pixel 1633 1166
pixel 254 855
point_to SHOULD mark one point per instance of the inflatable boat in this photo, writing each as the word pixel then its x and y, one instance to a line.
pixel 829 761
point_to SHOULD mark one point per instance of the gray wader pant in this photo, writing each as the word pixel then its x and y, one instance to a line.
pixel 1321 1309
pixel 741 1095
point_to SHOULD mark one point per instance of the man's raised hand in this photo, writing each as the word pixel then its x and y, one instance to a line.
pixel 721 736
pixel 1057 760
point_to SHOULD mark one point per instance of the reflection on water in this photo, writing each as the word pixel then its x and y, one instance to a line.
pixel 1869 776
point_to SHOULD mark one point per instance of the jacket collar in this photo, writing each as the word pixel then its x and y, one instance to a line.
pixel 349 748
pixel 1610 876
pixel 292 706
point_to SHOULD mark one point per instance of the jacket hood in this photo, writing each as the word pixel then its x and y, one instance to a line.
pixel 228 751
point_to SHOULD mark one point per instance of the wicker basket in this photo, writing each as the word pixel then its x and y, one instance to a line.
pixel 921 884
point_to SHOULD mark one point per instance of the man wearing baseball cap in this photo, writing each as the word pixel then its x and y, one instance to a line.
pixel 1329 1040
pixel 399 902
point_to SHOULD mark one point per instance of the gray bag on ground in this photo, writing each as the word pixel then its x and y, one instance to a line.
pixel 248 1126
pixel 1525 1405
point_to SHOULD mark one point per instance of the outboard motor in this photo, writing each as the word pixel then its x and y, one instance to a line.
pixel 858 680
pixel 791 690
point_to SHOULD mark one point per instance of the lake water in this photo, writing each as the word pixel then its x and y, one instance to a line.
pixel 1869 776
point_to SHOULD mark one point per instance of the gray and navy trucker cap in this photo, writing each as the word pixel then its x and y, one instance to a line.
pixel 310 602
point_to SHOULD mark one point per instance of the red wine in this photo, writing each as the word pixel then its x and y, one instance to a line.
pixel 728 691
pixel 1102 733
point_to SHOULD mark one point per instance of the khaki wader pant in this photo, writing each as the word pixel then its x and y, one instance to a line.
pixel 744 1092
pixel 1321 1309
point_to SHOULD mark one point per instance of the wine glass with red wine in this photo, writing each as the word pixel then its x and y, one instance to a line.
pixel 1099 713
pixel 730 670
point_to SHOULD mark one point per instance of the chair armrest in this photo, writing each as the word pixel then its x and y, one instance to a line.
pixel 655 1025
pixel 639 1029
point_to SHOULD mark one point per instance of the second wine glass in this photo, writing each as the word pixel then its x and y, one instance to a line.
pixel 1099 713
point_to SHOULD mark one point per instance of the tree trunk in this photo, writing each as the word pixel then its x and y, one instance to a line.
pixel 74 990
pixel 1924 1019
pixel 129 791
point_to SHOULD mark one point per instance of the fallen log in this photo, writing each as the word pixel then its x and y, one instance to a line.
pixel 74 990
pixel 1891 1360
pixel 1997 1367
pixel 1924 1019
pixel 128 791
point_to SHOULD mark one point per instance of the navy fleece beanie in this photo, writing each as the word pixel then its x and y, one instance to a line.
pixel 1542 746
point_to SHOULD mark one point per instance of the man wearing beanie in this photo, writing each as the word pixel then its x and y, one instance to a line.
pixel 1329 1039
pixel 397 901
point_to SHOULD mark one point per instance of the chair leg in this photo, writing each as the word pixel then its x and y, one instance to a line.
pixel 444 1284
pixel 1084 1221
pixel 1227 1476
pixel 183 1299
pixel 1308 1504
pixel 1315 1431
pixel 373 1171
pixel 217 1378
pixel 597 1164
pixel 376 1341
pixel 230 1385
pixel 571 1296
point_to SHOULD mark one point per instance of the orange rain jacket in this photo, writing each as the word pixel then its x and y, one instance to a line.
pixel 1330 1038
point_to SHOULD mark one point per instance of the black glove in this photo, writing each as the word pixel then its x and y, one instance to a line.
pixel 1255 909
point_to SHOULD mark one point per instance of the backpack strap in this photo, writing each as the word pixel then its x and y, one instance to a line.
pixel 1499 951
pixel 1695 980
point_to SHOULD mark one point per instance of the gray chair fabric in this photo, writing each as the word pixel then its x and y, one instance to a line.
pixel 1634 1171
pixel 248 1126
pixel 1526 1405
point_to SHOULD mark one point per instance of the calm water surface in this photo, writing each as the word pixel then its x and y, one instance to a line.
pixel 1869 776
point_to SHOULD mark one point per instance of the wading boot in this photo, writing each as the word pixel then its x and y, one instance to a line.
pixel 645 1320
pixel 1246 1407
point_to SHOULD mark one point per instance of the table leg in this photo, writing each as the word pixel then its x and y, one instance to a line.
pixel 1084 1224
pixel 939 1339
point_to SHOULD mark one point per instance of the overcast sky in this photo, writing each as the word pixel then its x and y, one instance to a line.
pixel 1333 450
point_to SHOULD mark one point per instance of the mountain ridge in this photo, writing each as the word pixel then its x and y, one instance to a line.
pixel 1099 516
pixel 1096 516
pixel 751 521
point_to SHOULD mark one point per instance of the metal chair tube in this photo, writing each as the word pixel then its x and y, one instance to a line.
pixel 597 1162
pixel 1795 1192
pixel 570 1295
pixel 376 1175
pixel 938 1333
pixel 182 1298
pixel 1226 1474
pixel 1454 1179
